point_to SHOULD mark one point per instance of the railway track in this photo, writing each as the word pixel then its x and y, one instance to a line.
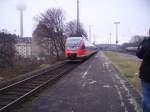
pixel 15 93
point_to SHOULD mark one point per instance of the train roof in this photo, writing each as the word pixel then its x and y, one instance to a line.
pixel 75 38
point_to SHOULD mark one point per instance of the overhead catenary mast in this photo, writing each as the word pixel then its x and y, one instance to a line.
pixel 78 17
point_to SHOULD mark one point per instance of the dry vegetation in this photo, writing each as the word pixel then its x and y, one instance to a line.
pixel 19 68
pixel 25 66
pixel 128 65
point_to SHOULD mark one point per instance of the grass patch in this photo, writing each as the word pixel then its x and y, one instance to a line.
pixel 128 65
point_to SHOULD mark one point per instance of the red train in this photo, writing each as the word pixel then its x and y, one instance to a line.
pixel 78 48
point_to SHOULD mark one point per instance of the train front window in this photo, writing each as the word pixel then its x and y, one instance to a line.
pixel 73 43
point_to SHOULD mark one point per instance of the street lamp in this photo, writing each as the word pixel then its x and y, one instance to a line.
pixel 116 24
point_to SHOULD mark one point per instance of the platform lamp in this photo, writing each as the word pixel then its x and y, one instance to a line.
pixel 116 24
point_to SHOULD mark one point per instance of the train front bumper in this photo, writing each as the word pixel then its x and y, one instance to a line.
pixel 74 54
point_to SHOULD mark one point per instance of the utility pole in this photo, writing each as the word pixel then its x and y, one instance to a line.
pixel 78 17
pixel 147 31
pixel 90 33
pixel 116 24
pixel 110 40
pixel 94 38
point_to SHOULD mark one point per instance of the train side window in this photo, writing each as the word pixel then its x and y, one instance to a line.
pixel 86 43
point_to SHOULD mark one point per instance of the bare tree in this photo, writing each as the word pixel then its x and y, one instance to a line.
pixel 49 32
pixel 7 49
pixel 71 29
pixel 136 40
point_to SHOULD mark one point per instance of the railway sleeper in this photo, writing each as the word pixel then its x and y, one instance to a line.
pixel 4 102
pixel 8 97
pixel 39 81
pixel 28 87
pixel 31 85
pixel 12 93
pixel 22 90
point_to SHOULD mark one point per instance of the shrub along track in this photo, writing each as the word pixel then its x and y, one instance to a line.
pixel 12 95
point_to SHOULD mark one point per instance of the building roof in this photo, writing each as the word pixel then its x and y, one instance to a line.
pixel 24 40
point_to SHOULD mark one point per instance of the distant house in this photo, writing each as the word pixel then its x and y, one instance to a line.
pixel 104 47
pixel 23 46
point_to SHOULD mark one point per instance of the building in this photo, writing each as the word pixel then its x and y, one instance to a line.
pixel 23 46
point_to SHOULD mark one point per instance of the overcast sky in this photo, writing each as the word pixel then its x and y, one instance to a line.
pixel 133 16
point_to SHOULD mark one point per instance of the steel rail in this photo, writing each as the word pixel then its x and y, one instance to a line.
pixel 33 76
pixel 19 91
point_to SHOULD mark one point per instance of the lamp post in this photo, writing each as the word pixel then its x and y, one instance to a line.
pixel 116 24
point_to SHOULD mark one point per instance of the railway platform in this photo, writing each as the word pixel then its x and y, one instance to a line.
pixel 94 86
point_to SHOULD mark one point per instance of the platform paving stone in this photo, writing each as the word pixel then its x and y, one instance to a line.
pixel 94 86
